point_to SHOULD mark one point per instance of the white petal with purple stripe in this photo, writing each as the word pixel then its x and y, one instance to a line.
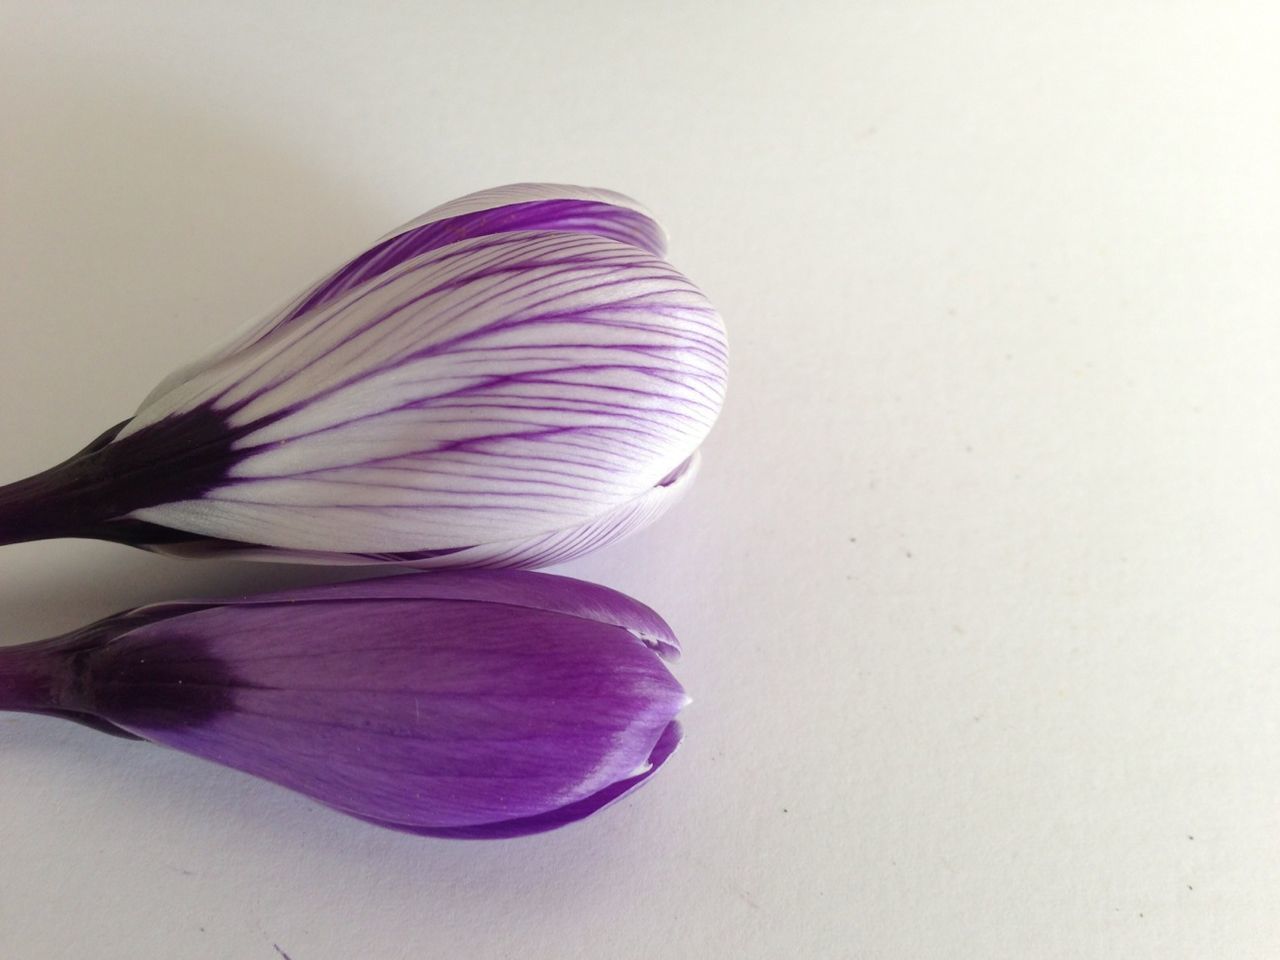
pixel 512 379
pixel 508 386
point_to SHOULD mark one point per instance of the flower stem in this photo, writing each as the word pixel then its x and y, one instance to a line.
pixel 37 508
pixel 63 501
pixel 26 679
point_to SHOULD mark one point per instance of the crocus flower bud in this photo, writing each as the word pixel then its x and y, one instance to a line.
pixel 457 704
pixel 510 380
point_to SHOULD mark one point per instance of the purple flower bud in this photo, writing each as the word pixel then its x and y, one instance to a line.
pixel 454 704
pixel 510 380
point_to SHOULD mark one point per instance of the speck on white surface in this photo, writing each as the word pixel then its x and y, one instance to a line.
pixel 978 585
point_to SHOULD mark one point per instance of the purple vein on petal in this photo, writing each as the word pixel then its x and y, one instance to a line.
pixel 562 216
pixel 573 350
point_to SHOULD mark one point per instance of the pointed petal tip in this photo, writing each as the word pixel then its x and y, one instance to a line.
pixel 665 644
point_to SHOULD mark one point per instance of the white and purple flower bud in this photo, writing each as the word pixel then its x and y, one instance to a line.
pixel 456 704
pixel 512 379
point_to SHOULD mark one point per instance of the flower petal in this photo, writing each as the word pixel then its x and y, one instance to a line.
pixel 499 388
pixel 625 219
pixel 519 207
pixel 432 716
pixel 516 207
pixel 570 813
pixel 540 551
pixel 512 588
pixel 562 546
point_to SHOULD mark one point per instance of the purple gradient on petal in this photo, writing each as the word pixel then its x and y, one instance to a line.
pixel 667 743
pixel 524 589
pixel 511 588
pixel 559 216
pixel 425 702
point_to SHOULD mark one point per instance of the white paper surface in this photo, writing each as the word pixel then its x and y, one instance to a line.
pixel 978 586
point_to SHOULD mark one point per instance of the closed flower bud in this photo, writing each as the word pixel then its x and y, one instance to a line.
pixel 511 380
pixel 456 704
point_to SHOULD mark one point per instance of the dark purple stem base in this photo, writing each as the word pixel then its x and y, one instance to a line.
pixel 92 494
pixel 26 680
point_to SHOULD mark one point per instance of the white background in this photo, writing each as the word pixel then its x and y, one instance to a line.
pixel 979 583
